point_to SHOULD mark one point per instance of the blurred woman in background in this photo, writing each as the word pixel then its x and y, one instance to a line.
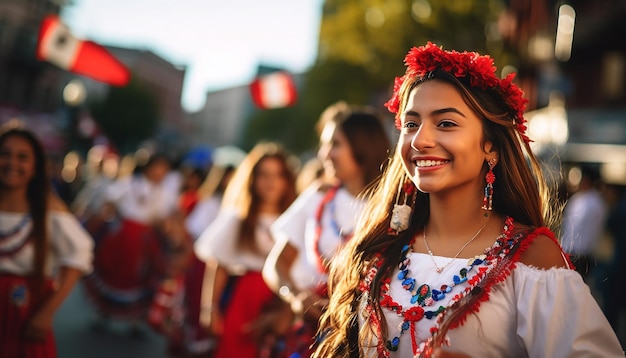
pixel 353 147
pixel 130 260
pixel 43 248
pixel 239 240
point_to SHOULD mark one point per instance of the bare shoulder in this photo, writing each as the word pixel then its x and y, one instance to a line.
pixel 56 204
pixel 543 252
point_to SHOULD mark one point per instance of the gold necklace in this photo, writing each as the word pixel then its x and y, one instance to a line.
pixel 432 257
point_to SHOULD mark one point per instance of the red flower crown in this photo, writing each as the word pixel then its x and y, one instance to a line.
pixel 478 68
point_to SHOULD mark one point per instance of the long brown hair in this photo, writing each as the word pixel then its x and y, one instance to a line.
pixel 240 192
pixel 520 192
pixel 36 194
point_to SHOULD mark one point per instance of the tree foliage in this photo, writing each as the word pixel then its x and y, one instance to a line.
pixel 128 115
pixel 361 47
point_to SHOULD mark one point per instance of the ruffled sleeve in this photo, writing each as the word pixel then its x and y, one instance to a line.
pixel 292 224
pixel 558 317
pixel 202 216
pixel 217 240
pixel 71 244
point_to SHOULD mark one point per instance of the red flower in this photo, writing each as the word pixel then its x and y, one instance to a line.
pixel 414 314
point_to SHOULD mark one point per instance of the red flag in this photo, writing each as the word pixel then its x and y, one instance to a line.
pixel 57 45
pixel 274 90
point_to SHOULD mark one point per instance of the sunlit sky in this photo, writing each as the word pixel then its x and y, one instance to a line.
pixel 220 42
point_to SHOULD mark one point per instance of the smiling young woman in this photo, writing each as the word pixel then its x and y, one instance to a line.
pixel 43 248
pixel 416 279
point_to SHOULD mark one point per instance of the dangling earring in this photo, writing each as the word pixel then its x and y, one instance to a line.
pixel 490 178
pixel 401 214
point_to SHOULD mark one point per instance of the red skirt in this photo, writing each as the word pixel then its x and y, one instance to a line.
pixel 250 296
pixel 198 338
pixel 129 264
pixel 17 304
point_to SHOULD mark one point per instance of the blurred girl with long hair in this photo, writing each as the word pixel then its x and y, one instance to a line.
pixel 44 250
pixel 353 147
pixel 239 240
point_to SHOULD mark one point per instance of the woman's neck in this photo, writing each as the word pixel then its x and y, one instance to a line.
pixel 269 209
pixel 13 200
pixel 353 186
pixel 465 212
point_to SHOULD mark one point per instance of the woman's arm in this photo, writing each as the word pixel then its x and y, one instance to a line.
pixel 41 322
pixel 213 285
pixel 277 274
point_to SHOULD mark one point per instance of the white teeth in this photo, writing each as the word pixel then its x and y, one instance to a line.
pixel 429 163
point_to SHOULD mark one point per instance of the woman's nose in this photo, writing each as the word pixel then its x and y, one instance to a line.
pixel 423 138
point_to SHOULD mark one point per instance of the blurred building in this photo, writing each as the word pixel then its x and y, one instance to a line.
pixel 164 79
pixel 220 121
pixel 573 52
pixel 32 90
pixel 26 82
pixel 225 114
pixel 29 89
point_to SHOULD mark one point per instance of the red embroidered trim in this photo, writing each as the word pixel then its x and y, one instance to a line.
pixel 479 68
pixel 505 272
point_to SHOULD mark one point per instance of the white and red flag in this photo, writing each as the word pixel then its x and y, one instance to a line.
pixel 274 90
pixel 57 45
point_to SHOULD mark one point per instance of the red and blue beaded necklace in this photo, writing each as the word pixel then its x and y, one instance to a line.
pixel 424 296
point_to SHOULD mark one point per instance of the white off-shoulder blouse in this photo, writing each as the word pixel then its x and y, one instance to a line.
pixel 219 241
pixel 298 225
pixel 71 245
pixel 533 313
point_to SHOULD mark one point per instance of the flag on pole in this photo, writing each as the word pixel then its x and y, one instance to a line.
pixel 274 90
pixel 57 45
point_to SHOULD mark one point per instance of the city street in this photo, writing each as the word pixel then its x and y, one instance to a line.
pixel 77 336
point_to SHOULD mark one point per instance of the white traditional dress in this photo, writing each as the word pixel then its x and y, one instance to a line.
pixel 532 313
pixel 317 237
pixel 70 246
pixel 130 258
pixel 316 224
pixel 250 294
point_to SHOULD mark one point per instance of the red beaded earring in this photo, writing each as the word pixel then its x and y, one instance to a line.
pixel 490 178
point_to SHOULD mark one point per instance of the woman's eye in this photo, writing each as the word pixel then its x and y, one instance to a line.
pixel 411 125
pixel 447 124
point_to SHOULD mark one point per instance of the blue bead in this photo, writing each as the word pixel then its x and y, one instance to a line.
pixel 438 295
pixel 405 326
pixel 414 299
pixel 408 284
pixel 456 279
pixel 402 274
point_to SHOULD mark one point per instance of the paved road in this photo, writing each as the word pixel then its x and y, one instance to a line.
pixel 76 336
